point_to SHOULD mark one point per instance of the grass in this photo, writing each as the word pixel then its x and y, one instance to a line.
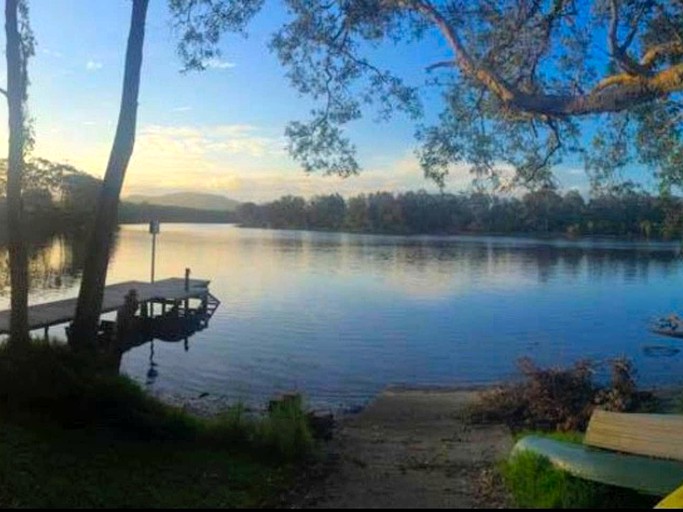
pixel 534 482
pixel 54 468
pixel 72 439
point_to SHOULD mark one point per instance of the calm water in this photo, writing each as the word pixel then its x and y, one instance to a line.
pixel 340 316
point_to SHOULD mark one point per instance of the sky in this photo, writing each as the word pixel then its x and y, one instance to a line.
pixel 217 131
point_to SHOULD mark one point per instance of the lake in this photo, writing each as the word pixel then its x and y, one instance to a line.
pixel 340 316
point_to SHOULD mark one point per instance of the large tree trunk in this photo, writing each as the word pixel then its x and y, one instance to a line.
pixel 84 330
pixel 18 260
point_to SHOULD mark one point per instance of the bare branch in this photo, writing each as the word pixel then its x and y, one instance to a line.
pixel 617 51
pixel 634 23
pixel 556 146
pixel 441 64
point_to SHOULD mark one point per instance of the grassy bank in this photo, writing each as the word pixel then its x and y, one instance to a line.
pixel 534 482
pixel 70 439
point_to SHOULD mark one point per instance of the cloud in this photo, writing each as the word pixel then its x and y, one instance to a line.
pixel 93 65
pixel 52 53
pixel 250 163
pixel 207 142
pixel 243 162
pixel 218 63
pixel 181 109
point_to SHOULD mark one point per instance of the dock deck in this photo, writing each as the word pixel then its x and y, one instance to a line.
pixel 63 311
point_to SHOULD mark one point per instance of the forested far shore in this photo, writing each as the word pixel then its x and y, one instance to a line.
pixel 63 199
pixel 624 211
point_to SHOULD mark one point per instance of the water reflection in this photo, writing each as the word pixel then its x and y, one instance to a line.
pixel 340 316
pixel 54 264
pixel 152 373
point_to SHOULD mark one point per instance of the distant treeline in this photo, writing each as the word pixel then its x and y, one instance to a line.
pixel 623 211
pixel 134 213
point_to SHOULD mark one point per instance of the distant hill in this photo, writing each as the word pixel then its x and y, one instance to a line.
pixel 142 213
pixel 194 200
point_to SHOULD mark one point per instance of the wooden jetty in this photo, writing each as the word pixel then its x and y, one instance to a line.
pixel 174 291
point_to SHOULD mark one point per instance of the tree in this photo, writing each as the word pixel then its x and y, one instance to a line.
pixel 287 212
pixel 357 213
pixel 20 47
pixel 79 192
pixel 327 212
pixel 518 81
pixel 200 23
pixel 89 306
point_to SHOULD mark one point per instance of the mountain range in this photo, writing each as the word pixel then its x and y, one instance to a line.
pixel 195 200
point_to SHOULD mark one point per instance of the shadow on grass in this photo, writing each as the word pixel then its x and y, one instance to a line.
pixel 71 437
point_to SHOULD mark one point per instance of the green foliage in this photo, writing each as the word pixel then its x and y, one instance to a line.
pixel 570 436
pixel 535 483
pixel 40 174
pixel 517 81
pixel 622 211
pixel 283 432
pixel 199 25
pixel 286 431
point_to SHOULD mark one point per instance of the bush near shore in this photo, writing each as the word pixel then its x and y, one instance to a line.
pixel 562 399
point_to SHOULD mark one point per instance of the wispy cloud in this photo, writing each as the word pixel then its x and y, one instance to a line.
pixel 247 164
pixel 218 63
pixel 214 141
pixel 51 53
pixel 181 109
pixel 93 65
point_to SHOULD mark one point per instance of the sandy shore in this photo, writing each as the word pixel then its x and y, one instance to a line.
pixel 411 449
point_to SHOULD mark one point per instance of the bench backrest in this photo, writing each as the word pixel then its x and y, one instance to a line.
pixel 656 435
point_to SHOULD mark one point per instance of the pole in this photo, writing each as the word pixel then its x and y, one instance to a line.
pixel 154 253
pixel 187 288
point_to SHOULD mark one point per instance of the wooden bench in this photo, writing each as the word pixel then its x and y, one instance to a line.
pixel 639 451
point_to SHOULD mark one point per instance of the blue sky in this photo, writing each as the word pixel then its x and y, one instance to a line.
pixel 217 131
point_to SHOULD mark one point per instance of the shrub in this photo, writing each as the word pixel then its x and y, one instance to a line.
pixel 283 432
pixel 561 398
pixel 286 429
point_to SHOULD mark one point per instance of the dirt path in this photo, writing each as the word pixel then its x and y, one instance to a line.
pixel 413 449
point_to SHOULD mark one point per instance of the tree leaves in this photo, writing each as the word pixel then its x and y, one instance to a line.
pixel 201 23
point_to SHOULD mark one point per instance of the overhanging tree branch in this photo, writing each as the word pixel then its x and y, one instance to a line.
pixel 613 94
